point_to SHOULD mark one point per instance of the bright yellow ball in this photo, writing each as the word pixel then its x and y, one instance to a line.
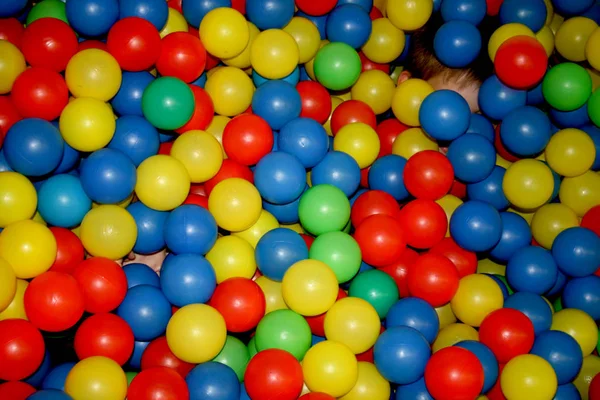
pixel 309 287
pixel 358 140
pixel 572 36
pixel 579 325
pixel 274 54
pixel 505 32
pixel 235 203
pixel 8 285
pixel 93 73
pixel 330 367
pixel 376 89
pixel 453 334
pixel 175 23
pixel 307 37
pixel 528 184
pixel 335 102
pixel 445 315
pixel 592 49
pixel 570 152
pixel 527 377
pixel 354 322
pixel 309 66
pixel 266 222
pixel 370 385
pixel 386 42
pixel 581 192
pixel 29 248
pixel 16 308
pixel 108 231
pixel 216 128
pixel 200 153
pixel 232 257
pixel 12 63
pixel 476 297
pixel 589 369
pixel 487 266
pixel 242 60
pixel 18 198
pixel 409 15
pixel 546 38
pixel 87 124
pixel 224 32
pixel 411 142
pixel 273 294
pixel 96 378
pixel 449 203
pixel 550 220
pixel 231 91
pixel 407 100
pixel 163 182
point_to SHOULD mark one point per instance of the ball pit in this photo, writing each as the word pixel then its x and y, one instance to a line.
pixel 347 199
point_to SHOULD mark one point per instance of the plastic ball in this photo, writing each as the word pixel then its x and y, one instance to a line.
pixel 187 279
pixel 104 335
pixel 444 115
pixel 350 112
pixel 337 66
pixel 190 229
pixel 268 14
pixel 96 377
pixel 213 380
pixel 531 14
pixel 92 17
pixel 87 124
pixel 304 138
pixel 16 308
pixel 381 239
pixel 407 15
pixel 428 175
pixel 562 352
pixel 359 141
pixel 14 7
pixel 455 370
pixel 271 363
pixel 535 307
pixel 49 43
pixel 572 37
pixel 457 38
pixel 135 137
pixel 505 32
pixel 324 208
pixel 241 302
pixel 182 55
pixel 22 349
pixel 108 231
pixel 340 252
pixel 475 219
pixel 521 62
pixel 247 138
pixel 157 354
pixel 330 367
pixel 285 330
pixel 280 177
pixel 376 89
pixel 377 288
pixel 582 293
pixel 570 152
pixel 386 174
pixel 224 32
pixel 84 79
pixel 19 198
pixel 168 103
pixel 63 201
pixel 134 43
pixel 39 93
pixel 489 190
pixel 354 323
pixel 528 184
pixel 532 269
pixel 386 42
pixel 146 310
pixel 274 54
pixel 163 182
pixel 231 91
pixel 528 375
pixel 140 274
pixel 415 313
pixel 508 333
pixel 235 204
pixel 309 287
pixel 266 222
pixel 108 176
pixel 12 64
pixel 200 153
pixel 408 98
pixel 157 382
pixel 9 285
pixel 103 284
pixel 476 297
pixel 575 251
pixel 497 100
pixel 525 131
pixel 567 86
pixel 152 10
pixel 401 354
pixel 338 169
pixel 349 24
pixel 424 222
pixel 580 193
pixel 230 257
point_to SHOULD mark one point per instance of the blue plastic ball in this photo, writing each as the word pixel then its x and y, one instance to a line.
pixel 62 201
pixel 108 176
pixel 562 352
pixel 277 102
pixel 490 190
pixel 583 294
pixel 476 226
pixel 33 147
pixel 147 312
pixel 69 160
pixel 501 284
pixel 561 281
pixel 486 358
pixel 515 235
pixel 201 81
pixel 415 313
pixel 57 376
pixel 51 394
pixel 531 13
pixel 213 381
pixel 401 354
pixel 4 167
pixel 140 274
pixel 9 8
pixel 593 13
pixel 496 100
pixel 280 178
pixel 136 138
pixel 150 228
pixel 532 269
pixel 570 119
pixel 316 339
pixel 472 11
pixel 338 169
pixel 356 196
pixel 293 78
pixel 534 307
pixel 568 391
pixel 187 279
pixel 321 24
pixel 243 393
pixel 387 174
pixel 135 361
pixel 270 14
pixel 92 17
pixel 304 138
pixel 480 125
pixel 571 7
pixel 473 157
pixel 366 5
pixel 414 391
pixel 128 100
pixel 535 96
pixel 457 43
pixel 577 251
pixel 190 229
pixel 350 24
pixel 285 213
pixel 38 376
pixel 278 250
pixel 444 115
pixel 155 11
pixel 195 10
pixel 525 131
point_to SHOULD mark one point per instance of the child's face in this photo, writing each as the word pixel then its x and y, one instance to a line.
pixel 470 93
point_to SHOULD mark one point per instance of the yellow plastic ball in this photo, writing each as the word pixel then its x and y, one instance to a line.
pixel 549 11
pixel 581 192
pixel 307 37
pixel 501 162
pixel 370 385
pixel 505 32
pixel 235 203
pixel 242 60
pixel 16 308
pixel 266 222
pixel 445 315
pixel 572 36
pixel 358 140
pixel 589 369
pixel 18 198
pixel 409 15
pixel 579 325
pixel 12 63
pixel 411 142
pixel 330 367
pixel 528 184
pixel 297 227
pixel 96 378
pixel 546 37
pixel 354 322
pixel 386 42
pixel 232 257
pixel 476 297
pixel 570 152
pixel 231 91
pixel 527 215
pixel 224 32
pixel 93 73
pixel 216 128
pixel 163 182
pixel 592 49
pixel 487 266
pixel 407 100
pixel 335 102
pixel 175 23
pixel 8 285
pixel 376 89
pixel 274 54
pixel 449 203
pixel 108 231
pixel 453 334
pixel 309 287
pixel 309 66
pixel 557 21
pixel 200 153
pixel 273 294
pixel 528 377
pixel 550 220
pixel 29 248
pixel 87 124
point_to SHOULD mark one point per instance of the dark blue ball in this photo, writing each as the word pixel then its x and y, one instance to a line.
pixel 476 226
pixel 278 250
pixel 534 307
pixel 568 391
pixel 532 269
pixel 51 394
pixel 457 43
pixel 444 115
pixel 525 131
pixel 473 157
pixel 571 7
pixel 304 138
pixel 516 234
pixel 280 178
pixel 486 358
pixel 270 14
pixel 490 190
pixel 190 229
pixel 349 24
pixel 496 100
pixel 338 169
pixel 414 391
pixel 155 11
pixel 135 361
pixel 364 4
pixel 92 17
pixel 213 381
pixel 136 138
pixel 583 294
pixel 472 11
pixel 293 78
pixel 195 10
pixel 320 22
pixel 150 228
pixel 562 352
pixel 531 13
pixel 69 159
pixel 187 279
pixel 594 132
pixel 415 313
pixel 480 125
pixel 387 174
pixel 284 213
pixel 140 274
pixel 57 376
pixel 147 312
pixel 570 119
pixel 577 251
pixel 128 100
pixel 108 176
pixel 277 102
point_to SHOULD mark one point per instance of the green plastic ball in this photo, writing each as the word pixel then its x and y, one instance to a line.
pixel 235 355
pixel 252 347
pixel 48 9
pixel 567 86
pixel 594 107
pixel 324 208
pixel 337 66
pixel 340 252
pixel 377 288
pixel 168 103
pixel 130 375
pixel 285 330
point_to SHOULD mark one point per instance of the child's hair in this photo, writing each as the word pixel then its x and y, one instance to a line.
pixel 422 62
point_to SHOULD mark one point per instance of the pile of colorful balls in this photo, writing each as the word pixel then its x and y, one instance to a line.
pixel 309 199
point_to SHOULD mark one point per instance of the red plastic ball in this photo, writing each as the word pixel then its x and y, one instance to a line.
pixel 158 383
pixel 54 301
pixel 364 177
pixel 381 238
pixel 317 322
pixel 11 30
pixel 182 55
pixel 316 8
pixel 165 148
pixel 158 354
pixel 239 5
pixel 316 101
pixel 204 111
pixel 500 149
pixel 373 202
pixel 16 390
pixel 465 261
pixel 508 333
pixel 308 240
pixel 49 43
pixel 241 302
pixel 454 373
pixel 368 65
pixel 433 278
pixel 175 5
pixel 521 62
pixel 40 93
pixel 399 270
pixel 594 390
pixel 428 175
pixel 229 169
pixel 103 284
pixel 493 6
pixel 316 396
pixel 591 219
pixel 135 43
pixel 69 253
pixel 352 111
pixel 273 371
pixel 198 188
pixel 8 115
pixel 458 189
pixel 495 393
pixel 21 349
pixel 425 223
pixel 247 138
pixel 375 13
pixel 106 335
pixel 388 130
pixel 92 44
pixel 197 199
